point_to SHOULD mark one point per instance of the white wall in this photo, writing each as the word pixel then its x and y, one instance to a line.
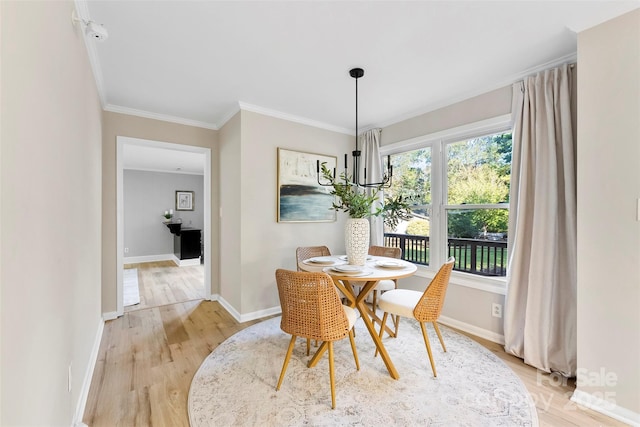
pixel 608 227
pixel 50 214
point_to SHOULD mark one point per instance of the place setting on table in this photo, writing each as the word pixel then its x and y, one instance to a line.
pixel 339 265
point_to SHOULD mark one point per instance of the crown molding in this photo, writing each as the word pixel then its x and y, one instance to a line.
pixel 83 13
pixel 157 116
pixel 232 112
pixel 292 118
pixel 566 59
pixel 584 24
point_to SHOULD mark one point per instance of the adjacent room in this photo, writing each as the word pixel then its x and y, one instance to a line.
pixel 283 213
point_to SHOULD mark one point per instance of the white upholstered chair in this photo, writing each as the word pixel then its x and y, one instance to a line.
pixel 388 284
pixel 423 306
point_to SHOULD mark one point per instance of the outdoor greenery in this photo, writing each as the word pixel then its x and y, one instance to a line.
pixel 478 173
pixel 418 227
pixel 396 209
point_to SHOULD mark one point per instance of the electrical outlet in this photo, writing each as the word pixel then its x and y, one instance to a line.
pixel 126 250
pixel 496 310
pixel 69 378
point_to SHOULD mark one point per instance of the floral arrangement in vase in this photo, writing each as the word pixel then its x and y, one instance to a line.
pixel 168 215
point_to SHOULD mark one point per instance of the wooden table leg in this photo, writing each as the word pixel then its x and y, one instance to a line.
pixel 314 360
pixel 375 319
pixel 363 309
pixel 347 290
pixel 359 302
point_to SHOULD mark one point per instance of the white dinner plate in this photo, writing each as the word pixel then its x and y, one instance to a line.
pixel 326 260
pixel 349 268
pixel 355 273
pixel 390 264
pixel 344 257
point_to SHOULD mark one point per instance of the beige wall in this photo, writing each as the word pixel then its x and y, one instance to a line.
pixel 114 125
pixel 265 244
pixel 230 177
pixel 486 106
pixel 50 214
pixel 608 228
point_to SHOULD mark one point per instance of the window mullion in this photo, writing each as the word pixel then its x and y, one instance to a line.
pixel 438 239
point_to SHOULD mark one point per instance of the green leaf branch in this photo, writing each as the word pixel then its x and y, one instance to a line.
pixel 359 203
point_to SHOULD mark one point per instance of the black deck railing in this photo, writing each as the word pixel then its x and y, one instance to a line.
pixel 475 256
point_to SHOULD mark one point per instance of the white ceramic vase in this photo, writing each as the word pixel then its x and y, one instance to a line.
pixel 356 240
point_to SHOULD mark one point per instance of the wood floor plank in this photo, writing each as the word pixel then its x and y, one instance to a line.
pixel 163 283
pixel 148 357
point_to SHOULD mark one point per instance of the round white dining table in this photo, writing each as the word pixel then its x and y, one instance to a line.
pixel 376 269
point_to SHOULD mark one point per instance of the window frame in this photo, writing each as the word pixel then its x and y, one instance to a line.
pixel 437 142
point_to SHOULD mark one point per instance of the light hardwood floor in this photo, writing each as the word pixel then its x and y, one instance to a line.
pixel 162 282
pixel 148 357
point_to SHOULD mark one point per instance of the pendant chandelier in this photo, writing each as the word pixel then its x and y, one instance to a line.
pixel 356 73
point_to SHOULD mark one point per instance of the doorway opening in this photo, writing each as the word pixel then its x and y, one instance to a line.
pixel 162 276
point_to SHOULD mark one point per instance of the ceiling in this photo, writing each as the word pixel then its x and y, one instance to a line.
pixel 199 62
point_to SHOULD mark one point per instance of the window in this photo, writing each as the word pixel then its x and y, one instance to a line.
pixel 459 192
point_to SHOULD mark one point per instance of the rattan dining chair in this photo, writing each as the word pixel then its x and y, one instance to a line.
pixel 384 285
pixel 306 252
pixel 423 306
pixel 311 308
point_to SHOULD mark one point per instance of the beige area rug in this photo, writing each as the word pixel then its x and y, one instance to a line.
pixel 235 385
pixel 130 289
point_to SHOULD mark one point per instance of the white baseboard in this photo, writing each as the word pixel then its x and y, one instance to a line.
pixel 260 314
pixel 110 315
pixel 148 258
pixel 232 311
pixel 249 316
pixel 185 262
pixel 606 407
pixel 88 375
pixel 467 327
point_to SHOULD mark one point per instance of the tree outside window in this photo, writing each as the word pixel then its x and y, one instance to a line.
pixel 471 193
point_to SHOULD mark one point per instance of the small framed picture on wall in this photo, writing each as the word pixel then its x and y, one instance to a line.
pixel 184 200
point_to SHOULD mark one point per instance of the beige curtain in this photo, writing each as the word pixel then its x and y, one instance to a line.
pixel 540 308
pixel 370 145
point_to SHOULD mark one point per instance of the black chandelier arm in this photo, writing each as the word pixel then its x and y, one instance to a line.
pixel 387 177
pixel 385 183
pixel 318 174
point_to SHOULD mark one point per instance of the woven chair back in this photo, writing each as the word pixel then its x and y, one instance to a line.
pixel 306 252
pixel 310 306
pixel 430 305
pixel 385 251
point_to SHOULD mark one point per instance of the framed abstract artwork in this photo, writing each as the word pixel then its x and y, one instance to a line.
pixel 184 200
pixel 300 197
